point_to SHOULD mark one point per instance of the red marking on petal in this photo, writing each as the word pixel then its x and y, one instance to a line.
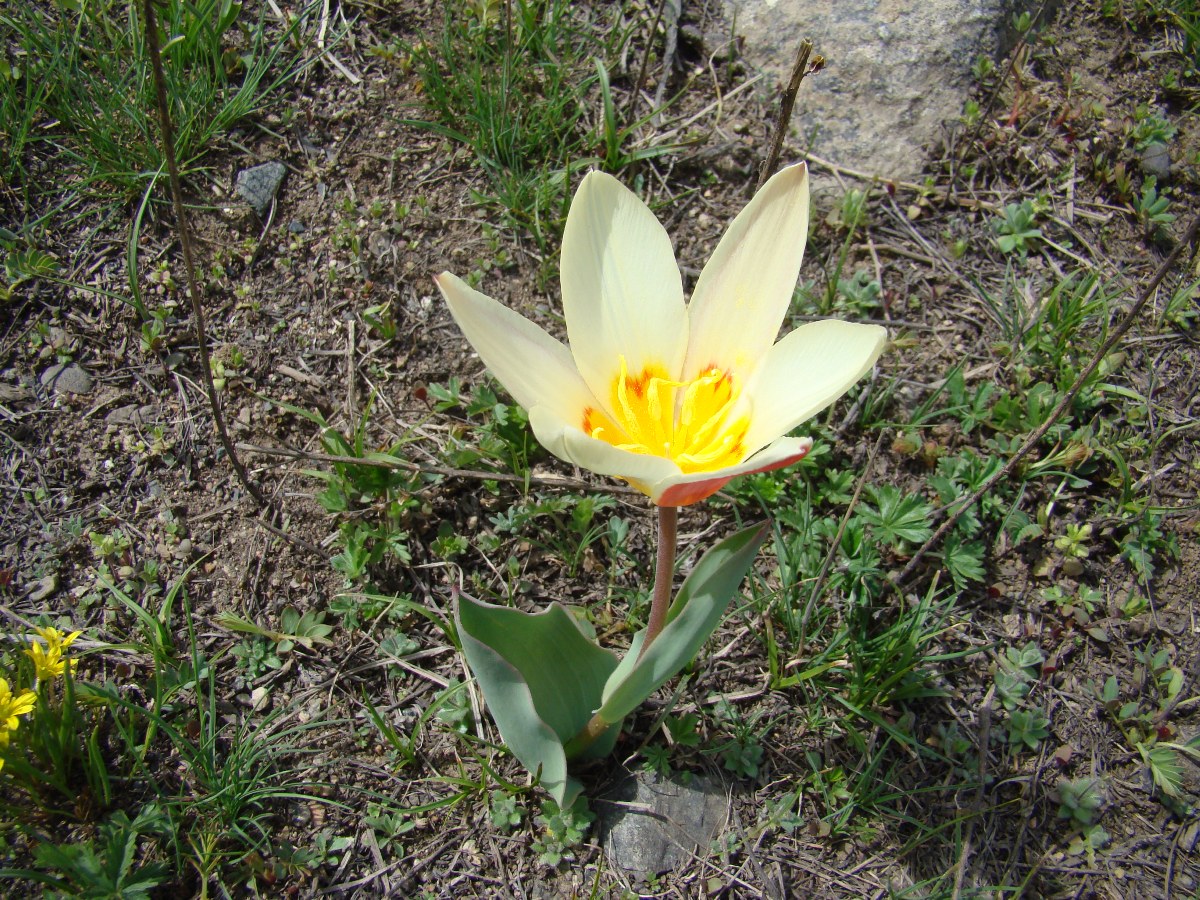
pixel 783 463
pixel 694 491
pixel 691 492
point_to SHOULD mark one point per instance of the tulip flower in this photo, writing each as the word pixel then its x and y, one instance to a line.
pixel 676 399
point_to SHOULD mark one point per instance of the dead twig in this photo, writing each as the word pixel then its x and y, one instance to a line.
pixel 787 102
pixel 185 241
pixel 985 728
pixel 644 70
pixel 377 463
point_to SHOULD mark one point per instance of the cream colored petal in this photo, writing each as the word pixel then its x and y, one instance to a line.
pixel 806 371
pixel 622 292
pixel 569 443
pixel 535 368
pixel 682 490
pixel 745 288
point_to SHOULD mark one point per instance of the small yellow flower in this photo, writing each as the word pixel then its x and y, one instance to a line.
pixel 48 660
pixel 56 638
pixel 11 707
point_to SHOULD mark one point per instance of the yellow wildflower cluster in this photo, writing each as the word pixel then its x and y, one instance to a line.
pixel 12 706
pixel 48 660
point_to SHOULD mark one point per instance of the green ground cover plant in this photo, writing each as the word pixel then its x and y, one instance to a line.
pixel 961 663
pixel 85 71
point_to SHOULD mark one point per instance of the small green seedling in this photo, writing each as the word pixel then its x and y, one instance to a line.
pixel 306 629
pixel 388 824
pixel 1016 673
pixel 1016 230
pixel 1081 800
pixel 504 812
pixel 562 830
pixel 1152 208
pixel 1027 727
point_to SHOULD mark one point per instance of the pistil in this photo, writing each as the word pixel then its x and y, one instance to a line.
pixel 688 422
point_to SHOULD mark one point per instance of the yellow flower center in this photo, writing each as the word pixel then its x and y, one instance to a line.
pixel 689 422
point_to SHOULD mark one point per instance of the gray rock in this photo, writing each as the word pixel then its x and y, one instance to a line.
pixel 1156 161
pixel 43 588
pixel 132 414
pixel 258 185
pixel 67 378
pixel 650 824
pixel 895 70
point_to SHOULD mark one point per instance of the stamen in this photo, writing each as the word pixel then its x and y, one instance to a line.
pixel 694 428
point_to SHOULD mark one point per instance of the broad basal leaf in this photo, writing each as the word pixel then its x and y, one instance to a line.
pixel 542 680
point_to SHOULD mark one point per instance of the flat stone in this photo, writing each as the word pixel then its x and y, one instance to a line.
pixel 43 588
pixel 895 70
pixel 651 825
pixel 258 185
pixel 132 414
pixel 1156 161
pixel 67 378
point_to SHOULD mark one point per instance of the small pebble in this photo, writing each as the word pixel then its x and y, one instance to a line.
pixel 69 378
pixel 43 588
pixel 1156 161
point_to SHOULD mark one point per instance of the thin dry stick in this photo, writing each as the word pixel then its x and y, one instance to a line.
pixel 984 731
pixel 185 241
pixel 644 72
pixel 1032 441
pixel 670 49
pixel 786 103
pixel 406 466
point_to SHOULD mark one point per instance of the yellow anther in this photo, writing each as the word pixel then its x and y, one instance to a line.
pixel 700 436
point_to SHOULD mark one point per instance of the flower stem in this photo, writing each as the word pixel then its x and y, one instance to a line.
pixel 595 727
pixel 664 574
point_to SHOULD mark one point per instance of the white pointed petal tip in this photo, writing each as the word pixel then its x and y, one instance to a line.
pixel 807 371
pixel 743 293
pixel 534 368
pixel 621 287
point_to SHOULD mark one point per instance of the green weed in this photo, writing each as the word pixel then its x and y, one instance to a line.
pixel 1016 229
pixel 561 831
pixel 1080 800
pixel 108 867
pixel 512 88
pixel 86 73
